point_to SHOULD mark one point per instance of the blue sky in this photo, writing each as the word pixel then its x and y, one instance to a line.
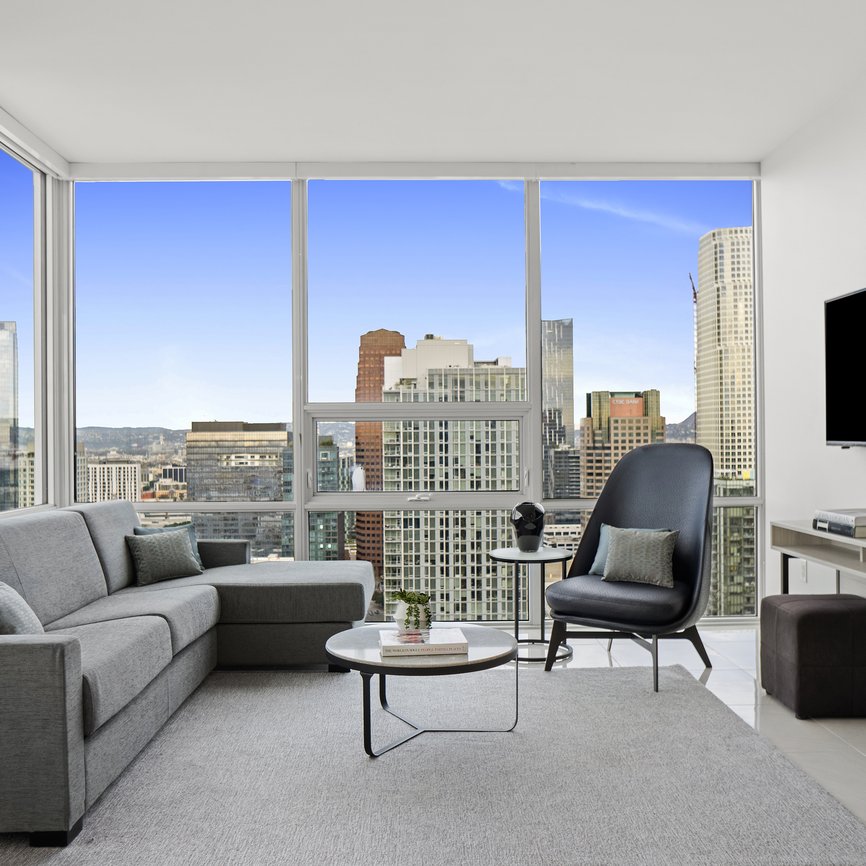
pixel 184 313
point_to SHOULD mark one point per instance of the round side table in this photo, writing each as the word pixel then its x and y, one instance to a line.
pixel 537 557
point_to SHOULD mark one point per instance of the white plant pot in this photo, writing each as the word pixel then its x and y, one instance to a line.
pixel 404 627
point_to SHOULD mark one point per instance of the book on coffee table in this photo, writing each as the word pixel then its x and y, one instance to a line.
pixel 436 641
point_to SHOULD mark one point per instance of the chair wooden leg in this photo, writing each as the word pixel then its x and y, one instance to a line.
pixel 557 636
pixel 691 633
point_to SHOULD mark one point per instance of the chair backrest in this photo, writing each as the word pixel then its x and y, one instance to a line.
pixel 661 486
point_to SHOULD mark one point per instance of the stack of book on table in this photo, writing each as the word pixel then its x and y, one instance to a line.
pixel 841 521
pixel 440 641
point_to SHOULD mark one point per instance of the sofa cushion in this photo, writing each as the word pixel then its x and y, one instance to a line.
pixel 108 523
pixel 285 591
pixel 118 659
pixel 155 530
pixel 162 556
pixel 188 611
pixel 49 559
pixel 16 616
pixel 590 597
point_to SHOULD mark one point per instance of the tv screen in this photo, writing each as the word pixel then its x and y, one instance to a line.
pixel 844 330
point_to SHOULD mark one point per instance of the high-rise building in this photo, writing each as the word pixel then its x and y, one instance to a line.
pixel 8 416
pixel 445 552
pixel 80 469
pixel 109 479
pixel 26 479
pixel 561 458
pixel 616 422
pixel 557 380
pixel 233 461
pixel 725 398
pixel 724 353
pixel 375 347
pixel 327 528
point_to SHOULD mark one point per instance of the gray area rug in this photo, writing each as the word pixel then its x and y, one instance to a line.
pixel 268 767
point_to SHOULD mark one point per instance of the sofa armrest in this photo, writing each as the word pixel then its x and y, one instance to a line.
pixel 217 552
pixel 41 733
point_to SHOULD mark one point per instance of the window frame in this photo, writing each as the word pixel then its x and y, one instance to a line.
pixel 55 254
pixel 44 302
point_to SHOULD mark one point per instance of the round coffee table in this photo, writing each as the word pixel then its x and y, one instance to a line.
pixel 358 649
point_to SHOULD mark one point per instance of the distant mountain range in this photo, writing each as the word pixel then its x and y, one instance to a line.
pixel 682 432
pixel 150 440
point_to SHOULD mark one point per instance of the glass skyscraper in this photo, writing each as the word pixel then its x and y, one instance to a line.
pixel 233 461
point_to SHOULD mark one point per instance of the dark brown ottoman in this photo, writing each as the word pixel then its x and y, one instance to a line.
pixel 813 653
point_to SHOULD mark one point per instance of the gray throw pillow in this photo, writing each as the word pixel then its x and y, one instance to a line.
pixel 641 556
pixel 152 530
pixel 600 560
pixel 162 556
pixel 16 616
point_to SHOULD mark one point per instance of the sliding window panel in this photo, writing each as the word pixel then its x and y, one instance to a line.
pixel 648 327
pixel 426 455
pixel 20 385
pixel 416 291
pixel 183 342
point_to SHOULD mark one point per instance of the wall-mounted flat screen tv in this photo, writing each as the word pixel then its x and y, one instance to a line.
pixel 844 361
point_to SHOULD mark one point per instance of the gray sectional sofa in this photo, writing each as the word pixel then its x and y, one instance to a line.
pixel 79 701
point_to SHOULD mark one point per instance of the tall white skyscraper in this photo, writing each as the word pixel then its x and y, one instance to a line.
pixel 445 552
pixel 725 398
pixel 724 353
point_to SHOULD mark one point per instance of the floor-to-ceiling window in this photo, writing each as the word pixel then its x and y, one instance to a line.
pixel 417 383
pixel 466 344
pixel 21 390
pixel 648 336
pixel 183 354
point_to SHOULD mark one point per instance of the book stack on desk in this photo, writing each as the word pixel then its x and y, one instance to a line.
pixel 850 522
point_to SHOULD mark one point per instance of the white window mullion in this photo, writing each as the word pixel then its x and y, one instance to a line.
pixel 303 445
pixel 530 438
pixel 59 356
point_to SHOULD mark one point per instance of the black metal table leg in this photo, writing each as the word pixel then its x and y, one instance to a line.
pixel 416 729
pixel 565 651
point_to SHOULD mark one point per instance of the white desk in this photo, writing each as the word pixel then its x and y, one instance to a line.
pixel 795 539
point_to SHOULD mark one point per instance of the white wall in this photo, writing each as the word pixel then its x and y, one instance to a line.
pixel 814 247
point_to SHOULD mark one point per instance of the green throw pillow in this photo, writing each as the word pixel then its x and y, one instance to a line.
pixel 641 556
pixel 152 530
pixel 16 616
pixel 162 556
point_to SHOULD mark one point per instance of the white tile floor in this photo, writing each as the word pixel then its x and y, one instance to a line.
pixel 833 751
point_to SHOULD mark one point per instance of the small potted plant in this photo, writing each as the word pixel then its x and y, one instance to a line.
pixel 412 613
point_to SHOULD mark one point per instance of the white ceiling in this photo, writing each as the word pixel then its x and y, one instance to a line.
pixel 113 81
